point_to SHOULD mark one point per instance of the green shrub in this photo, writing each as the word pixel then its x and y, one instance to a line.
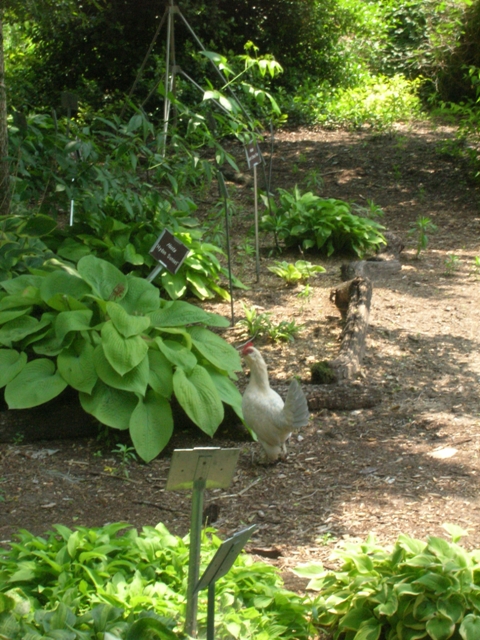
pixel 321 224
pixel 414 590
pixel 125 350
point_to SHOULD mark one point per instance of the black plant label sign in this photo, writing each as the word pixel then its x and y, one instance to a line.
pixel 169 251
pixel 253 154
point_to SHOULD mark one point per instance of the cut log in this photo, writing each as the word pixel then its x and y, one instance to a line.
pixel 356 295
pixel 342 397
pixel 384 264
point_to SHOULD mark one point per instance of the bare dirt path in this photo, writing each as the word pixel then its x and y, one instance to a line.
pixel 408 465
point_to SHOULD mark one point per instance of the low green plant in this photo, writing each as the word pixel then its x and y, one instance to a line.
pixel 422 227
pixel 321 224
pixel 114 582
pixel 256 323
pixel 284 331
pixel 452 264
pixel 260 324
pixel 414 590
pixel 293 273
pixel 21 247
pixel 112 338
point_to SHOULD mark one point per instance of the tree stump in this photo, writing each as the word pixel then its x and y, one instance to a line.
pixel 353 299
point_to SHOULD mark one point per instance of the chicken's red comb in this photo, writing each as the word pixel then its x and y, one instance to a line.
pixel 246 348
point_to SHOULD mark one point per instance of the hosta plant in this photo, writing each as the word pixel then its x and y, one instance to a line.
pixel 321 224
pixel 114 583
pixel 416 590
pixel 293 273
pixel 127 352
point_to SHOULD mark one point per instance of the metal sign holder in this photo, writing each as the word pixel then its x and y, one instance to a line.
pixel 199 469
pixel 223 192
pixel 254 158
pixel 220 565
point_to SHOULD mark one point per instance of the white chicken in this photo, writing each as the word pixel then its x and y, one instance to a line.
pixel 264 411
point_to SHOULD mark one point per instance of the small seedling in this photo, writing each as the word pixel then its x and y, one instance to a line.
pixel 125 453
pixel 476 266
pixel 452 264
pixel 18 438
pixel 313 180
pixel 422 227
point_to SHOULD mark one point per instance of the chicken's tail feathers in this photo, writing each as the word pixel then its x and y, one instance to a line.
pixel 296 407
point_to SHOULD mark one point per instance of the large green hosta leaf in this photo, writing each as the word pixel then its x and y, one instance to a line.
pixel 135 380
pixel 106 280
pixel 76 367
pixel 63 290
pixel 11 314
pixel 37 382
pixel 151 425
pixel 109 406
pixel 216 350
pixel 160 374
pixel 11 363
pixel 67 321
pixel 141 297
pixel 126 324
pixel 17 329
pixel 199 398
pixel 179 313
pixel 177 354
pixel 122 353
pixel 227 390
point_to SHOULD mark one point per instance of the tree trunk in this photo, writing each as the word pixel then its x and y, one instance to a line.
pixel 4 168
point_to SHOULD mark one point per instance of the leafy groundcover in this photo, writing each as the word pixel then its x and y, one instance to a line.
pixel 114 583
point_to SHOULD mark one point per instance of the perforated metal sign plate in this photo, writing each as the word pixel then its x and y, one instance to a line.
pixel 225 557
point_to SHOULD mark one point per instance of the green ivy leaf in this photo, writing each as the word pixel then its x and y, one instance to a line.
pixel 109 406
pixel 123 353
pixel 199 398
pixel 135 380
pixel 11 363
pixel 151 425
pixel 126 324
pixel 76 367
pixel 37 383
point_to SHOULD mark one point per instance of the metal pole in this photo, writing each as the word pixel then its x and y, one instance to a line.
pixel 257 242
pixel 166 104
pixel 194 558
pixel 211 612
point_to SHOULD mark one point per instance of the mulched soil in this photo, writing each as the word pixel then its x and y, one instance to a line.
pixel 408 465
